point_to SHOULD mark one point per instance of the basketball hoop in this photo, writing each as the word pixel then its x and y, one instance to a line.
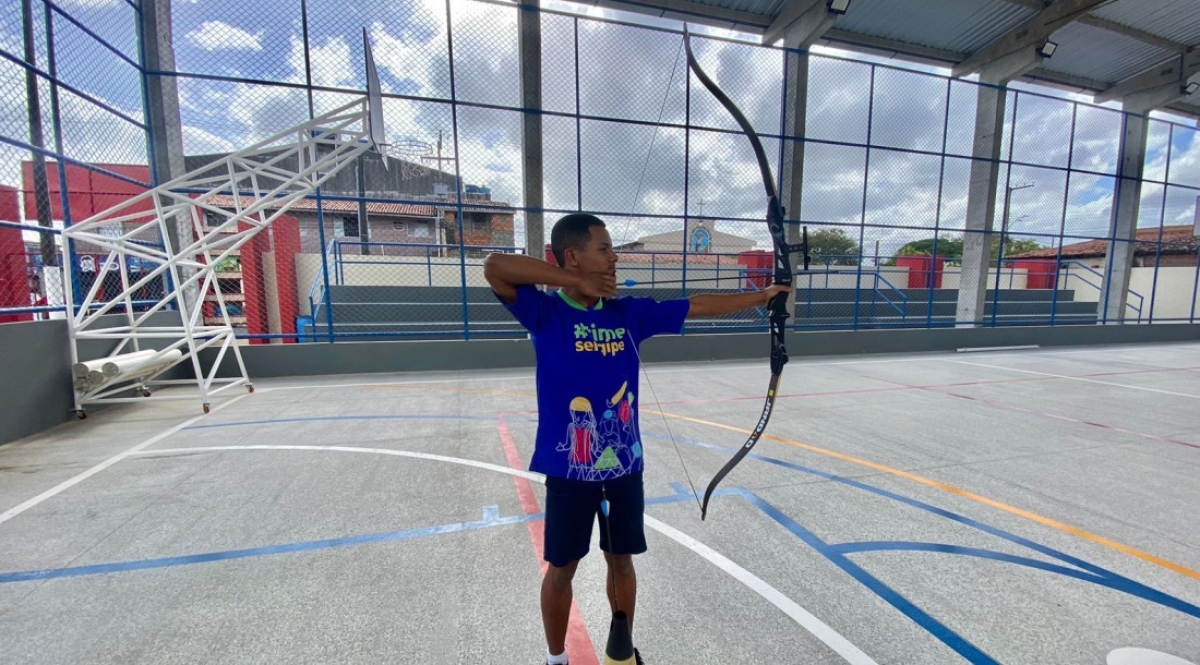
pixel 408 152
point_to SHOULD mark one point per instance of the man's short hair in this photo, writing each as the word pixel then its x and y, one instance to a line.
pixel 572 232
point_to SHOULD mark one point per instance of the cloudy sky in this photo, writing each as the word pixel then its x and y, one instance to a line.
pixel 244 65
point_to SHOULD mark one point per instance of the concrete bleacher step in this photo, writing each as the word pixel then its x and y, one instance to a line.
pixel 385 312
pixel 374 294
pixel 412 311
pixel 834 309
pixel 817 294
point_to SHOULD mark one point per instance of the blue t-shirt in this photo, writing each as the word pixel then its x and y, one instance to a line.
pixel 587 379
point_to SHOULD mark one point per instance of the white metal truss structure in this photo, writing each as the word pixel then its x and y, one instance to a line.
pixel 264 180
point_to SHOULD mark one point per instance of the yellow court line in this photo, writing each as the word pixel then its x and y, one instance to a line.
pixel 1046 521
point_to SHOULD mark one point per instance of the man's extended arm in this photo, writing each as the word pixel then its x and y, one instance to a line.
pixel 707 305
pixel 505 272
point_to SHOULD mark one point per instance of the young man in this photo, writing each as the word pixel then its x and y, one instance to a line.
pixel 588 443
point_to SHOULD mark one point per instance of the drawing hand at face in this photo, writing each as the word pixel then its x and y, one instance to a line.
pixel 598 285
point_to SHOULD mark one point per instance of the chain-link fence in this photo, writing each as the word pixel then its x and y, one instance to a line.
pixel 881 165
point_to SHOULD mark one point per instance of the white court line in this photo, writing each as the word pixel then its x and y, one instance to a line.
pixel 390 384
pixel 1073 378
pixel 65 485
pixel 805 619
pixel 535 477
pixel 818 628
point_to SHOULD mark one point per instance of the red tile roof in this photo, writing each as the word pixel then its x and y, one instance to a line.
pixel 1175 240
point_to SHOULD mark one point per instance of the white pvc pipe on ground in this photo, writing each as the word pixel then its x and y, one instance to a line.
pixel 81 370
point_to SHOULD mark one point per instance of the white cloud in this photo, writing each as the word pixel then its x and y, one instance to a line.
pixel 423 64
pixel 199 142
pixel 216 35
pixel 331 65
pixel 89 4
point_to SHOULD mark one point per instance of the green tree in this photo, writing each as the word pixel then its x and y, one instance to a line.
pixel 1016 247
pixel 951 248
pixel 948 247
pixel 836 244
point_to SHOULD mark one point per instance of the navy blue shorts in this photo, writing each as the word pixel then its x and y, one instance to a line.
pixel 573 505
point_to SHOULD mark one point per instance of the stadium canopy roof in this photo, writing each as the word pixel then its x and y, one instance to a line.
pixel 1112 49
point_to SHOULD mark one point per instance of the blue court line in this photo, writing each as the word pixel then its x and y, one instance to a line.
pixel 1110 580
pixel 1099 575
pixel 922 618
pixel 491 518
pixel 836 554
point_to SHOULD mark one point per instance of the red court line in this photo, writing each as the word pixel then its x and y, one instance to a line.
pixel 1047 414
pixel 579 643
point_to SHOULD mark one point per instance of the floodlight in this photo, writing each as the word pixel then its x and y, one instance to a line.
pixel 839 6
pixel 1191 88
pixel 1048 48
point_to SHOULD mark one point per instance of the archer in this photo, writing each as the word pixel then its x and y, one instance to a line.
pixel 585 339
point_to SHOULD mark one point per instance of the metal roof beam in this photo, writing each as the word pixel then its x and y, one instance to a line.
pixel 1185 107
pixel 692 12
pixel 1144 101
pixel 1029 34
pixel 800 23
pixel 891 47
pixel 1063 81
pixel 1177 70
pixel 1111 26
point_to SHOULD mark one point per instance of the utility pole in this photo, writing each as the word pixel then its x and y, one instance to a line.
pixel 1004 220
pixel 439 159
pixel 440 222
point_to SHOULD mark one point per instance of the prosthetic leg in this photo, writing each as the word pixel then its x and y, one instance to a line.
pixel 619 650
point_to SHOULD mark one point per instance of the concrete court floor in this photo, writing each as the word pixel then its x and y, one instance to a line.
pixel 1033 506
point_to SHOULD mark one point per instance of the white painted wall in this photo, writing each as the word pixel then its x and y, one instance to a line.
pixel 848 277
pixel 1173 295
pixel 1009 278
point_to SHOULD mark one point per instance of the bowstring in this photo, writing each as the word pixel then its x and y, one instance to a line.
pixel 633 209
pixel 658 407
pixel 637 195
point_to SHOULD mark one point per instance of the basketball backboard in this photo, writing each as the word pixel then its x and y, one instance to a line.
pixel 374 97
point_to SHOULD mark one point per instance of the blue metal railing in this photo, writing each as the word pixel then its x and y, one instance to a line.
pixel 430 252
pixel 413 254
pixel 900 304
pixel 902 309
pixel 1141 300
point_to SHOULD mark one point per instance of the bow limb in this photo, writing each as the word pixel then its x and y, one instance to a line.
pixel 777 307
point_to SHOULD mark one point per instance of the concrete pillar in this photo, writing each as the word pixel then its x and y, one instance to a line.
pixel 795 115
pixel 981 203
pixel 162 93
pixel 795 111
pixel 985 171
pixel 529 31
pixel 1118 263
pixel 162 117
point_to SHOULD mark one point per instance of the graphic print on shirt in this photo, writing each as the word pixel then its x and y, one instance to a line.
pixel 581 436
pixel 604 450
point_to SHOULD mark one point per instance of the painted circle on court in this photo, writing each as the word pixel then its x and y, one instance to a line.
pixel 1139 656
